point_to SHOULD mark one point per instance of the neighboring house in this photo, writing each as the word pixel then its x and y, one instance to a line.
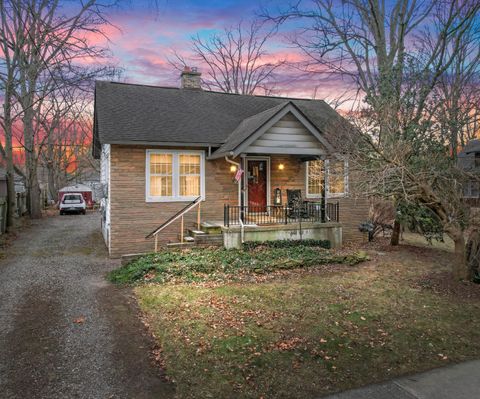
pixel 91 178
pixel 469 160
pixel 166 150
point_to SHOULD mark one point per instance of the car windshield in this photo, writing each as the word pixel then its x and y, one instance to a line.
pixel 72 199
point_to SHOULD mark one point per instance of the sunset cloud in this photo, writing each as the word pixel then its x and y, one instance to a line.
pixel 143 39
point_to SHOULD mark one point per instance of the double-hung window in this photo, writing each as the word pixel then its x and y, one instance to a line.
pixel 174 175
pixel 315 178
pixel 337 178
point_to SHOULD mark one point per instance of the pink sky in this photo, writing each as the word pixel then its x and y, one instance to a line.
pixel 143 40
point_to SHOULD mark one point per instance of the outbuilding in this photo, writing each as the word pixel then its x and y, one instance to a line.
pixel 80 189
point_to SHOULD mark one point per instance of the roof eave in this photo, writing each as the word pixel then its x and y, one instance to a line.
pixel 163 143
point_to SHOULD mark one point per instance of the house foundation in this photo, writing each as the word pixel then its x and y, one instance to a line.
pixel 232 236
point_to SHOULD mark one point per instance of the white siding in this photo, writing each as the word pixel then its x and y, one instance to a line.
pixel 105 181
pixel 104 163
pixel 287 136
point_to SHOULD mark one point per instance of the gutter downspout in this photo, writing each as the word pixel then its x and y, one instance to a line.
pixel 242 226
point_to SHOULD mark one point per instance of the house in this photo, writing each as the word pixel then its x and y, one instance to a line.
pixel 469 160
pixel 185 165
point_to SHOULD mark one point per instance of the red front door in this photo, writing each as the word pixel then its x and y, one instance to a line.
pixel 257 185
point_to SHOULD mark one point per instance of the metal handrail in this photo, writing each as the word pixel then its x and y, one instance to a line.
pixel 281 214
pixel 179 214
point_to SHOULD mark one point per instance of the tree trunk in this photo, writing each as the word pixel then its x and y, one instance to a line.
pixel 52 187
pixel 11 204
pixel 49 163
pixel 395 239
pixel 472 255
pixel 461 270
pixel 33 187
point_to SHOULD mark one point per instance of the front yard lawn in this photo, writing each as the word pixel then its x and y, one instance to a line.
pixel 308 332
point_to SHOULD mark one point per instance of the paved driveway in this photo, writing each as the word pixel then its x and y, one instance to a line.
pixel 65 332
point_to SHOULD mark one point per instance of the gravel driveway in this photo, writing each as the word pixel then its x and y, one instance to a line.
pixel 65 332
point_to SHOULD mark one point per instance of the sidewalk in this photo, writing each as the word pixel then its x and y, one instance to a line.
pixel 460 381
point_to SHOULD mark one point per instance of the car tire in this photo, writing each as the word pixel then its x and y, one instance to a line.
pixel 84 212
pixel 61 213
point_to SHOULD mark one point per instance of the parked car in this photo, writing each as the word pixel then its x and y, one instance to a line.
pixel 72 203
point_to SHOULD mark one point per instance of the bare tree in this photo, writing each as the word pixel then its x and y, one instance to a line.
pixel 8 77
pixel 456 98
pixel 48 43
pixel 236 61
pixel 396 53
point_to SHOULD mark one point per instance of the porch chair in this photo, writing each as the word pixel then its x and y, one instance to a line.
pixel 295 204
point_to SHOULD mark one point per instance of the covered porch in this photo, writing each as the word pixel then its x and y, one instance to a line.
pixel 279 196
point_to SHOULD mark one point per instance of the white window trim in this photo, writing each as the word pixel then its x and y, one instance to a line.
pixel 328 193
pixel 175 176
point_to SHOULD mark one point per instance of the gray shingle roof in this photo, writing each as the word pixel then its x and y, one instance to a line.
pixel 129 113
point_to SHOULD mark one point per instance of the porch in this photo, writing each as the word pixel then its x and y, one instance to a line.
pixel 297 220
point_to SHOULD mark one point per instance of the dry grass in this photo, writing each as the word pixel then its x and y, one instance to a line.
pixel 304 334
pixel 420 241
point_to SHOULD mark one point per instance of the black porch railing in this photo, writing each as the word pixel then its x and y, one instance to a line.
pixel 281 214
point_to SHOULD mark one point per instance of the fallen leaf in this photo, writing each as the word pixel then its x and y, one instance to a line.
pixel 79 320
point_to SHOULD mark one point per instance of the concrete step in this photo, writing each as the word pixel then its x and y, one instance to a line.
pixel 209 239
pixel 195 233
pixel 184 244
pixel 186 238
pixel 211 227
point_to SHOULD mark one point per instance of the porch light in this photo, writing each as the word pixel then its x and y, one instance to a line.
pixel 233 168
pixel 281 166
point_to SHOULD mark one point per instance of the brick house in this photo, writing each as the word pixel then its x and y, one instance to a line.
pixel 184 165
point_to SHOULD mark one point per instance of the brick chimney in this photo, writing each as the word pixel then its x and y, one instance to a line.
pixel 190 78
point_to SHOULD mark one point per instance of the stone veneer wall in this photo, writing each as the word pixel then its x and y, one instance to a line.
pixel 132 218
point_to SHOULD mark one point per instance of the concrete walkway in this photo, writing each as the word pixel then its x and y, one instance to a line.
pixel 460 381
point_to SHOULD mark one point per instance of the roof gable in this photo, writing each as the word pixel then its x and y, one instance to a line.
pixel 287 135
pixel 249 136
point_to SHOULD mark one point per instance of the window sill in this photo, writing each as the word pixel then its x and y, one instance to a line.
pixel 172 199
